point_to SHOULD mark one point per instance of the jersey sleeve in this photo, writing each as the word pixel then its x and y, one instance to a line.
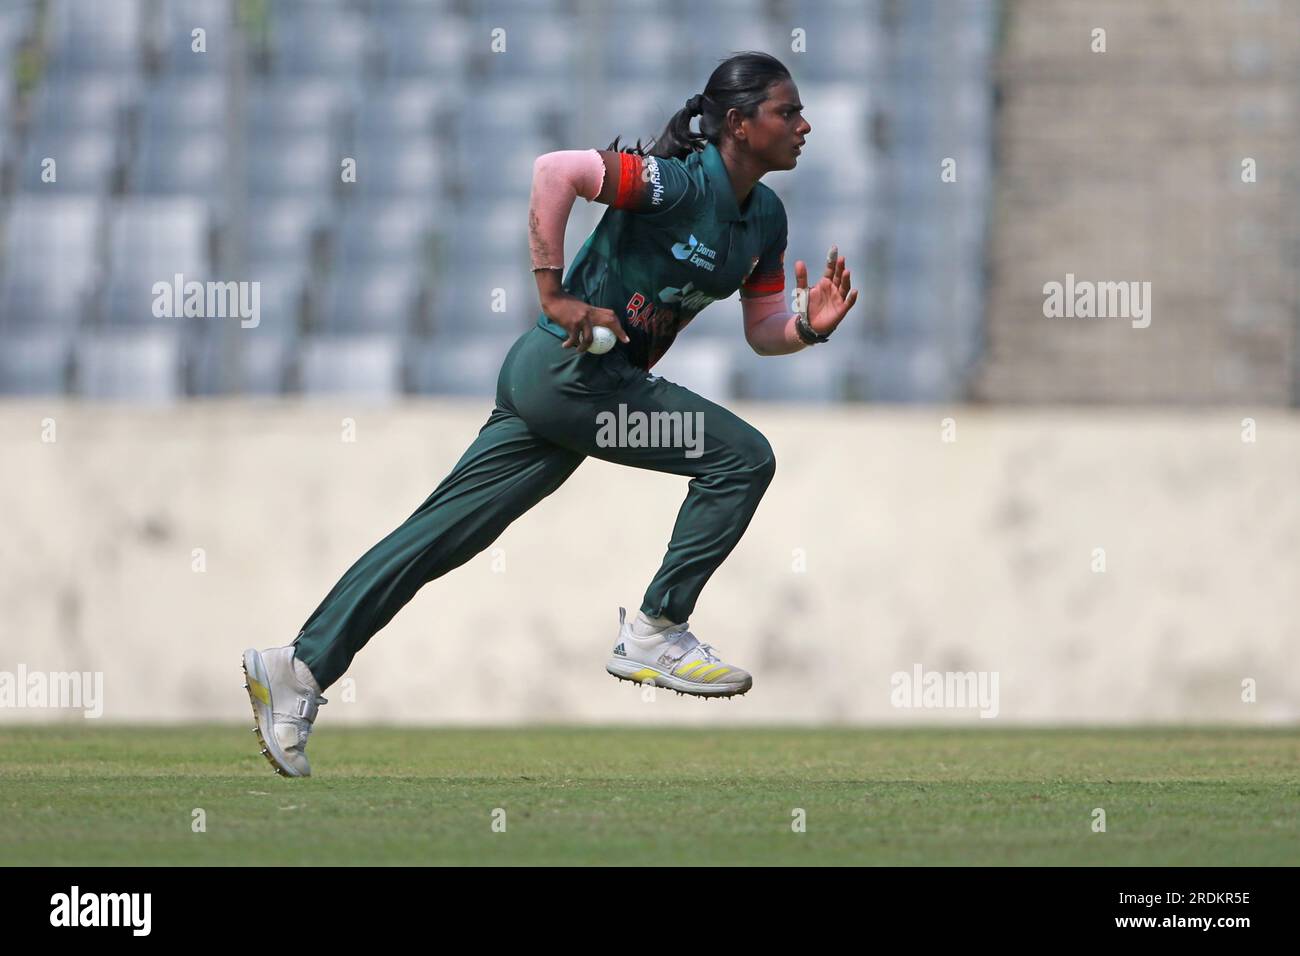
pixel 768 275
pixel 657 186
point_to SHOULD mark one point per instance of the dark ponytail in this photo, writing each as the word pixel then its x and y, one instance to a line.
pixel 740 81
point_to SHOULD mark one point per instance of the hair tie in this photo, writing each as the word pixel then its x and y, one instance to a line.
pixel 695 103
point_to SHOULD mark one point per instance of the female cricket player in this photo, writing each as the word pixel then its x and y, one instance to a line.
pixel 689 222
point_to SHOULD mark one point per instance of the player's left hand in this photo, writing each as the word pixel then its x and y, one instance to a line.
pixel 830 300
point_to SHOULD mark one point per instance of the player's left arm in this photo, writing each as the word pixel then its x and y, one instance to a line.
pixel 769 323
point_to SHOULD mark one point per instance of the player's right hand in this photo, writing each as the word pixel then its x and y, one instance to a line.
pixel 578 318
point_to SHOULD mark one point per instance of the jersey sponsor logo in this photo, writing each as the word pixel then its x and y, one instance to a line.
pixel 650 174
pixel 687 298
pixel 639 178
pixel 696 253
pixel 661 321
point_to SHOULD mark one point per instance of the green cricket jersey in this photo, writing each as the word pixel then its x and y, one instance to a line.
pixel 672 241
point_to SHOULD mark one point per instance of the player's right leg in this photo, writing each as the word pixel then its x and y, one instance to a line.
pixel 504 472
pixel 285 699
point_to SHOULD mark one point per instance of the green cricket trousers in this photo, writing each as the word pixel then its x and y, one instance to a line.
pixel 554 407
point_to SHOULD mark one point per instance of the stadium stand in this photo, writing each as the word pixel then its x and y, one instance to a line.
pixel 228 163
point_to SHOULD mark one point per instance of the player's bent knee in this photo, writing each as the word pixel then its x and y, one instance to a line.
pixel 758 460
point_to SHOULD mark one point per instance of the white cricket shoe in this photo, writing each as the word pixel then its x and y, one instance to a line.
pixel 285 700
pixel 674 658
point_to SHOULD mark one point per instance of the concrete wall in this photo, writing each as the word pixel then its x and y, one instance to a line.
pixel 1126 165
pixel 970 555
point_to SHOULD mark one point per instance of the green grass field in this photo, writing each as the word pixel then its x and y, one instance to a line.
pixel 112 795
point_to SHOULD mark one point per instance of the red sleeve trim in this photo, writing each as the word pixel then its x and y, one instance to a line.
pixel 629 178
pixel 764 284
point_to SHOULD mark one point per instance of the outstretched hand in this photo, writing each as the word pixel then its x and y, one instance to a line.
pixel 832 297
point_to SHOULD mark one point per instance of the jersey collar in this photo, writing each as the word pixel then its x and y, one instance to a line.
pixel 725 208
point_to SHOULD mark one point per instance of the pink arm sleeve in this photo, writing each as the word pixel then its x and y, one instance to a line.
pixel 769 325
pixel 558 179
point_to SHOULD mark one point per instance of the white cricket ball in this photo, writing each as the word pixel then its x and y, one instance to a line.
pixel 602 340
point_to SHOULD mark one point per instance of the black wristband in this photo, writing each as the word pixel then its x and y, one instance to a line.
pixel 806 332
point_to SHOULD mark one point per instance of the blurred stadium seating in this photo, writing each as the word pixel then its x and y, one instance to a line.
pixel 226 164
